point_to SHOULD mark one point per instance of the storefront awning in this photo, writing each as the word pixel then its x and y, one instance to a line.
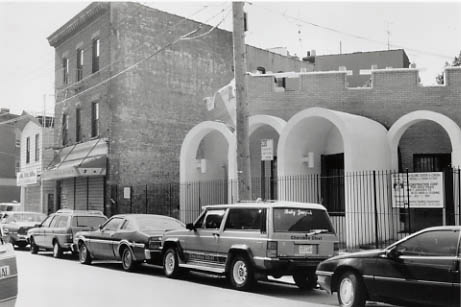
pixel 79 160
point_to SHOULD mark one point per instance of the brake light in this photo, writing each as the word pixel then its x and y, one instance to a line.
pixel 272 249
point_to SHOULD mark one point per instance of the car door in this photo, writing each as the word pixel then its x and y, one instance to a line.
pixel 202 245
pixel 39 233
pixel 420 270
pixel 102 241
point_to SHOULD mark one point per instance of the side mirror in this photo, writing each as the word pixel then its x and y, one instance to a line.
pixel 190 226
pixel 100 227
pixel 393 254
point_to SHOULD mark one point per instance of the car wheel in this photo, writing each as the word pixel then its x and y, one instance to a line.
pixel 241 274
pixel 33 246
pixel 84 255
pixel 57 250
pixel 171 264
pixel 351 292
pixel 128 262
pixel 306 280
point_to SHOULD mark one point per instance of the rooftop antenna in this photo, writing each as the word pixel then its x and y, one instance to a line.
pixel 388 31
pixel 300 40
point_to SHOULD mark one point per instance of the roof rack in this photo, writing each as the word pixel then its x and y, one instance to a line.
pixel 95 212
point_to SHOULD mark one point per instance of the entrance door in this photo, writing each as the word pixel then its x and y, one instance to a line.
pixel 332 183
pixel 50 203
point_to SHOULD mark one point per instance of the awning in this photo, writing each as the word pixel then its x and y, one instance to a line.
pixel 80 160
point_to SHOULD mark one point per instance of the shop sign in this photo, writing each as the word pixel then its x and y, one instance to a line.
pixel 426 190
pixel 26 178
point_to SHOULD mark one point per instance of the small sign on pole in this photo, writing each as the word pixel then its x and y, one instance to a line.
pixel 267 149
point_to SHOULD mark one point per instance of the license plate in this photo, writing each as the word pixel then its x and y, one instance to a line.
pixel 305 249
pixel 4 271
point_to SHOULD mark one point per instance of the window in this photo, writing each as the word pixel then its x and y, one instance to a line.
pixel 88 221
pixel 213 218
pixel 65 127
pixel 78 126
pixel 113 224
pixel 79 64
pixel 27 149
pixel 246 219
pixel 65 70
pixel 47 221
pixel 94 119
pixel 95 54
pixel 431 162
pixel 301 220
pixel 431 243
pixel 37 147
pixel 60 221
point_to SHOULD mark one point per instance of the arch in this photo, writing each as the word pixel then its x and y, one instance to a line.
pixel 363 140
pixel 192 141
pixel 403 123
pixel 256 121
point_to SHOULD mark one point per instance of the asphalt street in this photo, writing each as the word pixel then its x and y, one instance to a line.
pixel 48 282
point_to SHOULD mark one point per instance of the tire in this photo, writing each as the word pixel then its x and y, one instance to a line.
pixel 128 262
pixel 305 280
pixel 33 246
pixel 171 263
pixel 57 250
pixel 351 291
pixel 84 255
pixel 241 273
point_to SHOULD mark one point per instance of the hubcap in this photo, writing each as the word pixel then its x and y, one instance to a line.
pixel 240 272
pixel 169 263
pixel 83 252
pixel 346 291
pixel 127 259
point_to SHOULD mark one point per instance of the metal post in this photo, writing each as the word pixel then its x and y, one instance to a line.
pixel 131 199
pixel 408 200
pixel 147 202
pixel 263 180
pixel 375 201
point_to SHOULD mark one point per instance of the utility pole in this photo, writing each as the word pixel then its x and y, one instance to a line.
pixel 242 129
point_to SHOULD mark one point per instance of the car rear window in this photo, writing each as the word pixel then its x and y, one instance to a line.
pixel 149 223
pixel 88 221
pixel 301 220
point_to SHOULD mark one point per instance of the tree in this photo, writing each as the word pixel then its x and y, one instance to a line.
pixel 456 62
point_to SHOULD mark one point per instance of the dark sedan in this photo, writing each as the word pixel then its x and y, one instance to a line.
pixel 131 238
pixel 16 223
pixel 422 269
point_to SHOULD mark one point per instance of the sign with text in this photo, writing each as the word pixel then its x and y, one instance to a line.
pixel 267 150
pixel 426 190
pixel 127 192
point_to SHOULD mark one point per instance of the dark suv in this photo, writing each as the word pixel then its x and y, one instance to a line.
pixel 57 231
pixel 249 241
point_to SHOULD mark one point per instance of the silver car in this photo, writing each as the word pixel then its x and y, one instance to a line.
pixel 8 273
pixel 250 241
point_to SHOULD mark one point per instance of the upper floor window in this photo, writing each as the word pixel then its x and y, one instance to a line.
pixel 95 54
pixel 65 70
pixel 94 119
pixel 27 149
pixel 65 127
pixel 37 147
pixel 79 64
pixel 78 125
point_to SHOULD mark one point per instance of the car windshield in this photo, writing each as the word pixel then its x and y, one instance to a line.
pixel 152 223
pixel 24 217
pixel 88 221
pixel 313 221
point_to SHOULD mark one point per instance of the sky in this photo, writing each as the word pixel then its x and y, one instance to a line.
pixel 430 33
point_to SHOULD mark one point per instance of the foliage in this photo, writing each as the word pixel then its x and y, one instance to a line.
pixel 456 62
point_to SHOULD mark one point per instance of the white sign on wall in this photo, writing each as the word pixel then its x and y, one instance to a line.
pixel 127 192
pixel 267 149
pixel 426 190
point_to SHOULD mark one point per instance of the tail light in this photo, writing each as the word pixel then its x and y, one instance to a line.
pixel 336 248
pixel 272 249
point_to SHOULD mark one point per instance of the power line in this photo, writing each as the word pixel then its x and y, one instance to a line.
pixel 183 37
pixel 297 19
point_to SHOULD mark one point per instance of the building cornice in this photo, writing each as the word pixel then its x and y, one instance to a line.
pixel 90 13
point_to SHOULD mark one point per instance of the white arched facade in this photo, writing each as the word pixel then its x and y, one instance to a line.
pixel 257 121
pixel 404 122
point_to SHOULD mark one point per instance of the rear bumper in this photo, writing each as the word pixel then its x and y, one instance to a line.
pixel 286 266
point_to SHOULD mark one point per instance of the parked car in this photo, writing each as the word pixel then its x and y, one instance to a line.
pixel 16 223
pixel 422 269
pixel 249 241
pixel 131 238
pixel 57 231
pixel 8 273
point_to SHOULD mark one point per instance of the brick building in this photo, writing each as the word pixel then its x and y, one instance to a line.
pixel 9 156
pixel 359 64
pixel 341 146
pixel 126 97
